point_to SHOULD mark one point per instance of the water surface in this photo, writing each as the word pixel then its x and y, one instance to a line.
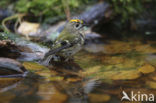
pixel 99 74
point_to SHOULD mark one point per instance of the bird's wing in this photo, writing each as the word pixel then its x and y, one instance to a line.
pixel 48 56
pixel 64 40
pixel 57 49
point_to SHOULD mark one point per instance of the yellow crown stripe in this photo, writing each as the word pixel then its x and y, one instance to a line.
pixel 76 20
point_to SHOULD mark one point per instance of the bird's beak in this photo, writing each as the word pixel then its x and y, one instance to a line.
pixel 85 24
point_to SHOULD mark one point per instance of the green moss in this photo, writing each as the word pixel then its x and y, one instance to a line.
pixel 10 36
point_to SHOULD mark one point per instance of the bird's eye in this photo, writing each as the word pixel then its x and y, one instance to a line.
pixel 77 25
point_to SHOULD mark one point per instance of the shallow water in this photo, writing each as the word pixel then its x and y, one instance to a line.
pixel 99 74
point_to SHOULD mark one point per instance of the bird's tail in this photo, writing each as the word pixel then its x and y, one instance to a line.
pixel 46 61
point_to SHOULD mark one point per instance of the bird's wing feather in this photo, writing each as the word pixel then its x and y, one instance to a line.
pixel 55 50
pixel 59 47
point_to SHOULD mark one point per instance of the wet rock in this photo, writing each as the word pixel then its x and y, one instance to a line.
pixel 96 13
pixel 91 37
pixel 29 29
pixel 20 48
pixel 40 33
pixel 10 67
pixel 146 26
pixel 52 32
pixel 8 49
pixel 33 51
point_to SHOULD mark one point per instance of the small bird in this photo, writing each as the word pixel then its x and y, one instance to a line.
pixel 68 42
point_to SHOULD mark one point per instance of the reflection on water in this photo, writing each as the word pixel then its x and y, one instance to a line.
pixel 38 90
pixel 93 77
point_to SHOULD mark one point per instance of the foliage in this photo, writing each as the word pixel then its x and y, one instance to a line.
pixel 129 8
pixel 5 3
pixel 44 8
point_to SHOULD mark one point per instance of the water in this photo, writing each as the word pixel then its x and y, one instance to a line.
pixel 97 75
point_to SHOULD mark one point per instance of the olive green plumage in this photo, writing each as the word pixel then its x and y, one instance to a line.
pixel 68 43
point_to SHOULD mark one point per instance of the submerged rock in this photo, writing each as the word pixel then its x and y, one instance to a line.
pixel 9 83
pixel 10 67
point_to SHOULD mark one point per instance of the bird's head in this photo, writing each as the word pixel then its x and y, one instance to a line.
pixel 75 25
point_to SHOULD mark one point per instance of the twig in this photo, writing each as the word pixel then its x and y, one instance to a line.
pixel 66 8
pixel 16 16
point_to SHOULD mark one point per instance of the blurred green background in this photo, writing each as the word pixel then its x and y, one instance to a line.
pixel 55 8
